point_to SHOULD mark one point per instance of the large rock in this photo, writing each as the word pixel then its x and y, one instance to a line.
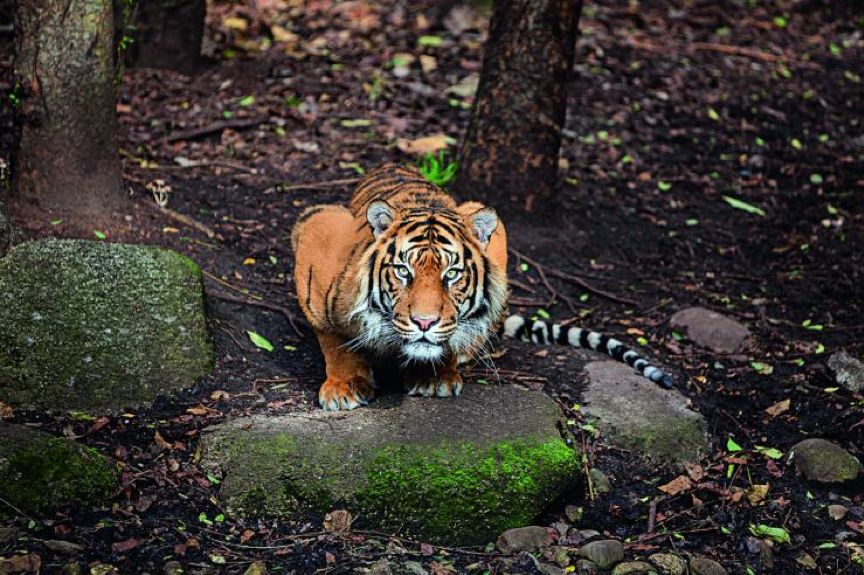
pixel 98 326
pixel 712 330
pixel 639 415
pixel 39 472
pixel 848 370
pixel 456 470
pixel 824 462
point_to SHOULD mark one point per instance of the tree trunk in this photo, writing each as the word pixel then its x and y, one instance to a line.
pixel 67 160
pixel 509 156
pixel 166 34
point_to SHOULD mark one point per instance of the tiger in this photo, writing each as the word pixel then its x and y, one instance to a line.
pixel 406 277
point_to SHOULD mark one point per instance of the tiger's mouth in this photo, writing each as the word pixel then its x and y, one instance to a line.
pixel 423 350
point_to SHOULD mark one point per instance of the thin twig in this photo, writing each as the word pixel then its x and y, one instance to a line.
pixel 319 185
pixel 652 516
pixel 571 279
pixel 263 304
pixel 737 51
pixel 217 126
pixel 188 221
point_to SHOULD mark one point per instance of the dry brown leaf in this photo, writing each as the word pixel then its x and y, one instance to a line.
pixel 778 408
pixel 425 145
pixel 756 494
pixel 197 410
pixel 695 471
pixel 160 441
pixel 678 485
pixel 338 521
pixel 220 395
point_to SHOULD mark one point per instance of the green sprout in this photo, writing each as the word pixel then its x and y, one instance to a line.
pixel 439 170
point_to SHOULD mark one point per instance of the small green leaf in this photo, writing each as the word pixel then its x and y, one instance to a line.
pixel 770 452
pixel 762 368
pixel 816 179
pixel 523 267
pixel 212 479
pixel 827 545
pixel 664 186
pixel 796 143
pixel 227 114
pixel 56 222
pixel 355 123
pixel 776 534
pixel 219 518
pixel 246 101
pixel 273 260
pixel 259 341
pixel 725 530
pixel 799 362
pixel 824 138
pixel 641 340
pixel 691 222
pixel 730 471
pixel 732 447
pixel 99 235
pixel 543 313
pixel 712 113
pixel 430 41
pixel 780 21
pixel 583 298
pixel 483 381
pixel 760 142
pixel 289 348
pixel 831 389
pixel 742 205
pixel 202 517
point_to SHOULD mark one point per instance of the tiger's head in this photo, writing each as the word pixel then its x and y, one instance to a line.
pixel 428 288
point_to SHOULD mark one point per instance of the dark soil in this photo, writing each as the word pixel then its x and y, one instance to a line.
pixel 662 126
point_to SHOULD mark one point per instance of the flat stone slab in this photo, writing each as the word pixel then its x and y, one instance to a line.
pixel 639 415
pixel 97 326
pixel 712 330
pixel 453 470
pixel 39 472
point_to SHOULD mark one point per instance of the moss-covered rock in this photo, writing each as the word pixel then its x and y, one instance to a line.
pixel 457 470
pixel 98 326
pixel 39 472
pixel 825 462
pixel 639 415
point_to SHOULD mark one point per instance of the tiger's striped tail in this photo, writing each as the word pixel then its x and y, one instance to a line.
pixel 544 332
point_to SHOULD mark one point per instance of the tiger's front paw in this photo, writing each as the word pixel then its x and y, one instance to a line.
pixel 444 386
pixel 336 394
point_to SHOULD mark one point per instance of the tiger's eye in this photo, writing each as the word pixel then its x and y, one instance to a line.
pixel 452 274
pixel 402 272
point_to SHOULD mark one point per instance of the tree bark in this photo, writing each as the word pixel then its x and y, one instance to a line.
pixel 166 34
pixel 67 161
pixel 509 157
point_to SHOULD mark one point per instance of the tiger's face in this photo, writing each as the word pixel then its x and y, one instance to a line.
pixel 428 291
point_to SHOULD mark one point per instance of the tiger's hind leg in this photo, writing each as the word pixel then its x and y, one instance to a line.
pixel 442 381
pixel 349 382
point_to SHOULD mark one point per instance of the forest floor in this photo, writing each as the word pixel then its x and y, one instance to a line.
pixel 665 120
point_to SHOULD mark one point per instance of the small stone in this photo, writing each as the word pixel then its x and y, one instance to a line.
pixel 712 330
pixel 66 547
pixel 604 553
pixel 573 513
pixel 806 561
pixel 586 567
pixel 634 568
pixel 382 567
pixel 824 462
pixel 586 534
pixel 669 564
pixel 549 569
pixel 599 480
pixel 524 539
pixel 837 512
pixel 705 566
pixel 256 568
pixel 848 370
pixel 173 568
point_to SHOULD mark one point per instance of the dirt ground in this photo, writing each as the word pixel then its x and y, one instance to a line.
pixel 665 121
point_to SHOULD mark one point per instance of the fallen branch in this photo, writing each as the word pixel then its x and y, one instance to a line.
pixel 542 270
pixel 218 126
pixel 737 51
pixel 319 185
pixel 254 302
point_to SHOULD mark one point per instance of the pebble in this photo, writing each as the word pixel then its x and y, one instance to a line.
pixel 705 566
pixel 669 564
pixel 837 512
pixel 599 480
pixel 634 568
pixel 524 539
pixel 605 553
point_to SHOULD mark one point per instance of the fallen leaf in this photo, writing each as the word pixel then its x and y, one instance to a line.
pixel 160 441
pixel 198 410
pixel 235 23
pixel 756 494
pixel 5 411
pixel 219 395
pixel 837 512
pixel 338 521
pixel 695 471
pixel 427 549
pixel 428 63
pixel 425 145
pixel 124 546
pixel 778 408
pixel 678 485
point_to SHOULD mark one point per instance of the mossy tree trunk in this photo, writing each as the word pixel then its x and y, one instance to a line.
pixel 509 156
pixel 165 34
pixel 67 161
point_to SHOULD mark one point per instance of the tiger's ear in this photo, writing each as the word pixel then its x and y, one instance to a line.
pixel 483 223
pixel 379 214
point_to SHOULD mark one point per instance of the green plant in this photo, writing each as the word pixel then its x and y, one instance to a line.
pixel 440 169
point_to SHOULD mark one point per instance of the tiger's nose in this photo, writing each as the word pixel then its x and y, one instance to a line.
pixel 425 322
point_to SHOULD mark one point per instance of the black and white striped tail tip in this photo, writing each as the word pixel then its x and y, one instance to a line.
pixel 544 332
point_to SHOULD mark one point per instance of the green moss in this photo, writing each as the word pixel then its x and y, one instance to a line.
pixel 458 494
pixel 49 472
pixel 94 326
